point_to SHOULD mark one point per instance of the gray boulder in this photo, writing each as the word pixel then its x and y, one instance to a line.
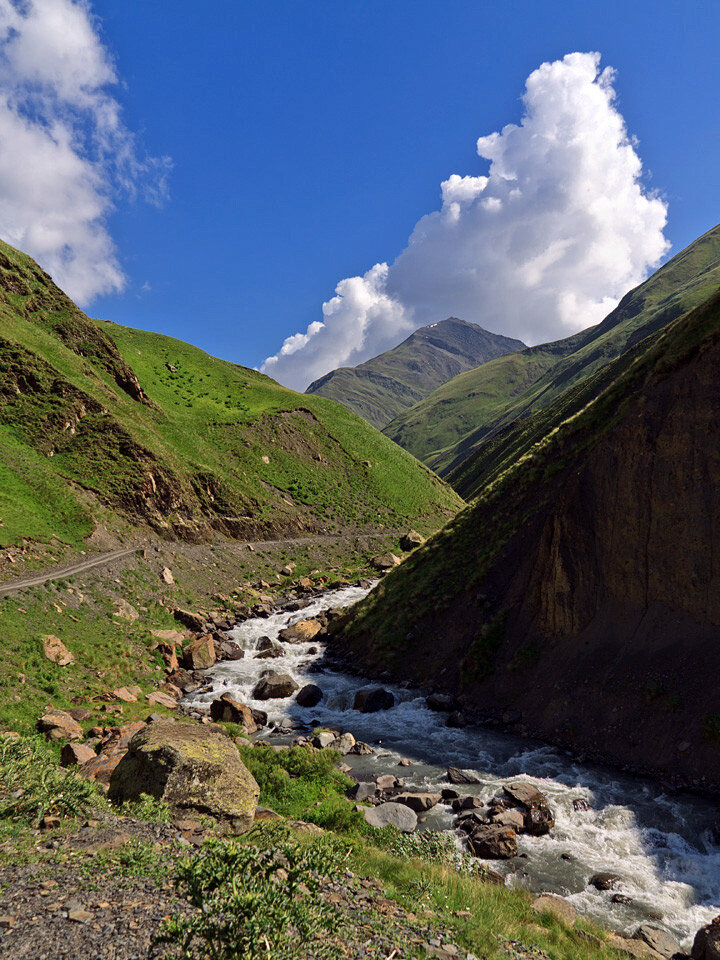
pixel 275 686
pixel 660 940
pixel 372 699
pixel 392 815
pixel 419 802
pixel 493 842
pixel 456 775
pixel 190 767
pixel 309 696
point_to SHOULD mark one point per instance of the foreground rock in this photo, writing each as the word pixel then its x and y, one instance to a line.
pixel 493 842
pixel 706 945
pixel 659 940
pixel 391 815
pixel 276 686
pixel 190 767
pixel 456 776
pixel 227 710
pixel 370 700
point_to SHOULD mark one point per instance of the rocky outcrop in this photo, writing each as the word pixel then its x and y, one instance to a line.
pixel 190 767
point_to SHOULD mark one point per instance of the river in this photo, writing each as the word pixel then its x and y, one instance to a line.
pixel 658 842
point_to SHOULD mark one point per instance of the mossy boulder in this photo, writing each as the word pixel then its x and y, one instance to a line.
pixel 190 767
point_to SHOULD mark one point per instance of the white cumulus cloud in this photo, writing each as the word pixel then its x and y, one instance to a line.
pixel 65 153
pixel 540 247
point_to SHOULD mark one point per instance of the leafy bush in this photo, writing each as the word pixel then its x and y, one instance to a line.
pixel 257 899
pixel 33 786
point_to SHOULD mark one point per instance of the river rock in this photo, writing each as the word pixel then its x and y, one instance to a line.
pixel 440 702
pixel 411 540
pixel 271 652
pixel 199 654
pixel 706 945
pixel 344 743
pixel 467 803
pixel 361 749
pixel 363 791
pixel 419 802
pixel 373 699
pixel 275 686
pixel 538 817
pixel 59 725
pixel 227 710
pixel 558 906
pixel 301 632
pixel 309 696
pixel 515 819
pixel 386 782
pixel 605 881
pixel 391 815
pixel 190 767
pixel 324 739
pixel 657 938
pixel 456 720
pixel 456 776
pixel 192 621
pixel 493 842
pixel 524 793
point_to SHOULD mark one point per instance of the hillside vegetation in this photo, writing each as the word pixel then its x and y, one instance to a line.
pixel 385 386
pixel 103 423
pixel 459 417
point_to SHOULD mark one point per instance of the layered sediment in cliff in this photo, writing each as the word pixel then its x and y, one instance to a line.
pixel 579 598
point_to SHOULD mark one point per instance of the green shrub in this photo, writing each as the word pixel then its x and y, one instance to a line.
pixel 33 786
pixel 257 899
pixel 147 808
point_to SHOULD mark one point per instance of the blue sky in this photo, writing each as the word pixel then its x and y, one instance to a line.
pixel 307 139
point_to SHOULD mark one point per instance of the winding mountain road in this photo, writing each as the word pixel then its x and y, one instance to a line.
pixel 60 573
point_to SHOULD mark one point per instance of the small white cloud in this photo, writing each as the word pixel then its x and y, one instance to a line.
pixel 543 245
pixel 65 153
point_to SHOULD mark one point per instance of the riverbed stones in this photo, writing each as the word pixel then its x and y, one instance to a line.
pixel 605 881
pixel 456 776
pixel 190 767
pixel 361 749
pixel 323 739
pixel 309 696
pixel 59 725
pixel 199 654
pixel 706 945
pixel 391 815
pixel 660 940
pixel 512 818
pixel 419 802
pixel 386 782
pixel 538 818
pixel 344 743
pixel 558 906
pixel 363 791
pixel 440 702
pixel 225 709
pixel 493 842
pixel 275 686
pixel 373 699
pixel 301 632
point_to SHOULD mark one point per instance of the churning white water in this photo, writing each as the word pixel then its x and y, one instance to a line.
pixel 658 843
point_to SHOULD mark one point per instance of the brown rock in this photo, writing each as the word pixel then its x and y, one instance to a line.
pixel 167 576
pixel 58 725
pixel 419 802
pixel 192 621
pixel 199 654
pixel 74 754
pixel 301 632
pixel 493 842
pixel 56 651
pixel 122 693
pixel 385 562
pixel 162 699
pixel 411 540
pixel 101 766
pixel 456 776
pixel 706 945
pixel 227 710
pixel 276 686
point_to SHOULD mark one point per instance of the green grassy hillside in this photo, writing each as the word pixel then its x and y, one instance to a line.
pixel 101 422
pixel 385 386
pixel 459 417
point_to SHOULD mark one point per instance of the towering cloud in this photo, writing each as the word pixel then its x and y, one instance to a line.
pixel 65 153
pixel 543 245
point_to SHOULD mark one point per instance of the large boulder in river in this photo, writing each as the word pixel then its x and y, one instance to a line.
pixel 391 815
pixel 706 945
pixel 659 940
pixel 493 842
pixel 309 696
pixel 199 654
pixel 372 699
pixel 301 632
pixel 190 767
pixel 227 710
pixel 275 686
pixel 537 815
pixel 455 775
pixel 419 802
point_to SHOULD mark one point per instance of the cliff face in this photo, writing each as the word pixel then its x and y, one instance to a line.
pixel 595 621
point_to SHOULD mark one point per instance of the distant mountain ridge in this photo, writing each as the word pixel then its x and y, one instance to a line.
pixel 463 414
pixel 382 388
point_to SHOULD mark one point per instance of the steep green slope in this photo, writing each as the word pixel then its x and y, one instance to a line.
pixel 383 387
pixel 579 592
pixel 459 417
pixel 98 421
